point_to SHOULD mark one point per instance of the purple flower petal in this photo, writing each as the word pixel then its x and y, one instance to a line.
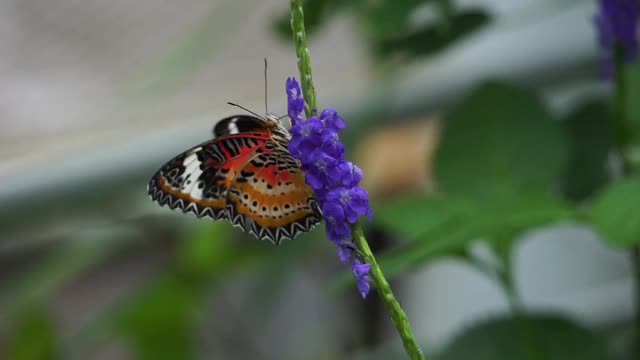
pixel 359 200
pixel 354 201
pixel 361 271
pixel 332 120
pixel 345 174
pixel 333 212
pixel 320 164
pixel 338 231
pixel 344 253
pixel 295 101
pixel 331 143
pixel 315 181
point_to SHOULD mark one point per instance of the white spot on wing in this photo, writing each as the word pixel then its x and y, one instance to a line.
pixel 192 167
pixel 233 128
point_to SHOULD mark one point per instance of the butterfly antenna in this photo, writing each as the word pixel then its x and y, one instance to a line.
pixel 244 108
pixel 266 108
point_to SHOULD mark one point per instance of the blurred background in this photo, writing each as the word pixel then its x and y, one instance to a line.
pixel 503 215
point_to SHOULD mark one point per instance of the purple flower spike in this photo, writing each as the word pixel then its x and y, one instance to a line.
pixel 617 24
pixel 336 182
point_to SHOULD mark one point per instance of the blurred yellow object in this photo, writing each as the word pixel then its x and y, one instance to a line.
pixel 398 159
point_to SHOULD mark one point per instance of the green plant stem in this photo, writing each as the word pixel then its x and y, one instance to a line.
pixel 398 316
pixel 620 124
pixel 505 277
pixel 622 137
pixel 304 58
pixel 384 290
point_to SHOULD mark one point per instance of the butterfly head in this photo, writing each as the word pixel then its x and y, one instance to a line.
pixel 273 121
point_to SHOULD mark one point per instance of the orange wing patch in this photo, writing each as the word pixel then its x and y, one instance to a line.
pixel 270 198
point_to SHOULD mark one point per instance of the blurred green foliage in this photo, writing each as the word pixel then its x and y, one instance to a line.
pixel 505 165
pixel 33 336
pixel 405 29
pixel 590 140
pixel 534 337
pixel 161 320
pixel 429 40
pixel 507 139
pixel 75 256
pixel 614 212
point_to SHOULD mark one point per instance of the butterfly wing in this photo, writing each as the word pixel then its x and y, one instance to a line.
pixel 197 180
pixel 246 178
pixel 270 199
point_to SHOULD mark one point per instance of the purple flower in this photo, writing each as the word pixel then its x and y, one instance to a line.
pixel 617 25
pixel 295 101
pixel 318 166
pixel 335 181
pixel 331 143
pixel 360 271
pixel 337 228
pixel 305 137
pixel 345 174
pixel 332 120
pixel 345 250
pixel 354 202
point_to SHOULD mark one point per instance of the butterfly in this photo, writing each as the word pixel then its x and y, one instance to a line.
pixel 246 175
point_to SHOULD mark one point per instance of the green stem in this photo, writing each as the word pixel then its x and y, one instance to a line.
pixel 620 124
pixel 398 316
pixel 505 277
pixel 384 290
pixel 622 139
pixel 304 58
pixel 621 142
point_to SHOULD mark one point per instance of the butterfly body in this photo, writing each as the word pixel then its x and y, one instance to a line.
pixel 246 175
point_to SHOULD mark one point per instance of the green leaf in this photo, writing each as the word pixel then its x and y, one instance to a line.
pixel 415 214
pixel 451 235
pixel 484 221
pixel 431 38
pixel 500 141
pixel 591 139
pixel 522 212
pixel 389 18
pixel 33 336
pixel 539 337
pixel 614 212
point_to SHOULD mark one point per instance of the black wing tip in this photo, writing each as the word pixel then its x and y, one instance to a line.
pixel 174 203
pixel 274 235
